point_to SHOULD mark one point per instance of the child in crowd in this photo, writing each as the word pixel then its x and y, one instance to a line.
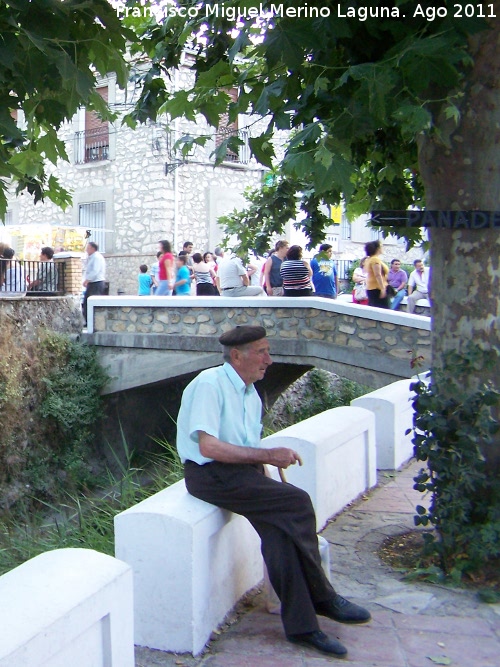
pixel 182 285
pixel 144 280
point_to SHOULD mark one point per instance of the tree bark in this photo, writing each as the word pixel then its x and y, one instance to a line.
pixel 463 173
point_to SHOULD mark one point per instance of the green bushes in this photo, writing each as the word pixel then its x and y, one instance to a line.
pixel 50 400
pixel 71 402
pixel 315 392
pixel 453 427
pixel 55 491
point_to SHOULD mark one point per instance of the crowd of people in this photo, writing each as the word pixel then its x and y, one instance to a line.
pixel 283 272
pixel 381 286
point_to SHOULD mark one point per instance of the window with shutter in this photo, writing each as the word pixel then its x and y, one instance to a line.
pixel 227 129
pixel 96 133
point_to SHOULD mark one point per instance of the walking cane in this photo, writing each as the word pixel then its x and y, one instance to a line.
pixel 282 471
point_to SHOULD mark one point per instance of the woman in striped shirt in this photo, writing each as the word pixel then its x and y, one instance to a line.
pixel 296 273
pixel 204 276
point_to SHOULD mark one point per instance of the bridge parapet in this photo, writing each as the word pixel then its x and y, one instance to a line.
pixel 336 336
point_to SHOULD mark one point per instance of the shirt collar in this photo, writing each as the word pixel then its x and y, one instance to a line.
pixel 236 380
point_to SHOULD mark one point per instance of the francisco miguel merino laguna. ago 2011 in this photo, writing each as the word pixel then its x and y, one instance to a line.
pixel 362 13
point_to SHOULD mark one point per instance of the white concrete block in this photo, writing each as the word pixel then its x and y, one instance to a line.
pixel 337 448
pixel 392 407
pixel 191 561
pixel 67 608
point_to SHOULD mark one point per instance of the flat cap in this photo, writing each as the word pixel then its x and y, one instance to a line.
pixel 242 335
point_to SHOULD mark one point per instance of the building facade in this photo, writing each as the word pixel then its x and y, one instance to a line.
pixel 131 188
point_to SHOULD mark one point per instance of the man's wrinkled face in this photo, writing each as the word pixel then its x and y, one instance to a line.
pixel 251 361
pixel 396 266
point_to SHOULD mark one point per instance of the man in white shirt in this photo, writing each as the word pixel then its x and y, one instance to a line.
pixel 232 279
pixel 219 442
pixel 95 275
pixel 418 285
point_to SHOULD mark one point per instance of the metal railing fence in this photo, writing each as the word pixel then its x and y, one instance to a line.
pixel 34 278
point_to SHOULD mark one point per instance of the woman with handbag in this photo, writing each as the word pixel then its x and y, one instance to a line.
pixel 359 276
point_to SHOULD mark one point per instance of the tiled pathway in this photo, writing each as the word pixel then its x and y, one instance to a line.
pixel 414 624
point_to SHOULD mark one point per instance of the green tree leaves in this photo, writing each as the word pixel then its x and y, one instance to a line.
pixel 358 93
pixel 452 427
pixel 51 53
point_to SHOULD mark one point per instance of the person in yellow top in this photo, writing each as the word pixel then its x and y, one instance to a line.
pixel 376 282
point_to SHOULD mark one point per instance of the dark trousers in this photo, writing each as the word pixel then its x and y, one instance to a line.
pixel 92 289
pixel 206 289
pixel 375 300
pixel 307 291
pixel 284 518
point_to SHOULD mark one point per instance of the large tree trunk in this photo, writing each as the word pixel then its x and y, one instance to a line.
pixel 465 175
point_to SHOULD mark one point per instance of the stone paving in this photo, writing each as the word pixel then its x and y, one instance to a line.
pixel 414 624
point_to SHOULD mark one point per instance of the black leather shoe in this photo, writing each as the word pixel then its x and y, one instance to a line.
pixel 341 610
pixel 319 641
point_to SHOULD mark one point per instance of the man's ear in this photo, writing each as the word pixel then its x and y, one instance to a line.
pixel 235 355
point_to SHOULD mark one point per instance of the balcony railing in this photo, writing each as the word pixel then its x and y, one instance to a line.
pixel 92 145
pixel 243 154
pixel 32 278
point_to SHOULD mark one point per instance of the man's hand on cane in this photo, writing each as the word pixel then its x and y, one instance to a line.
pixel 282 457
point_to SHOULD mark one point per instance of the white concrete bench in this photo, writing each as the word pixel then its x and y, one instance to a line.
pixel 423 306
pixel 67 608
pixel 393 412
pixel 337 448
pixel 191 561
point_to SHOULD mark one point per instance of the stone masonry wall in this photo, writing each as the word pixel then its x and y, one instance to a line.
pixel 353 332
pixel 55 313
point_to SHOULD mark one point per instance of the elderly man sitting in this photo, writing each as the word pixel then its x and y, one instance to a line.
pixel 218 439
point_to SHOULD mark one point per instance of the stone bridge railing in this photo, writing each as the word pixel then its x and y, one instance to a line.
pixel 370 345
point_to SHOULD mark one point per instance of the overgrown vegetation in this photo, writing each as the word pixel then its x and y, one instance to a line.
pixel 86 520
pixel 315 392
pixel 54 489
pixel 452 428
pixel 50 399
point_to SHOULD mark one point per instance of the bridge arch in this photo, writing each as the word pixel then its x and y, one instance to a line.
pixel 144 340
pixel 153 346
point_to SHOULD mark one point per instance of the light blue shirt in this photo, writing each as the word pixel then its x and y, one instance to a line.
pixel 218 402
